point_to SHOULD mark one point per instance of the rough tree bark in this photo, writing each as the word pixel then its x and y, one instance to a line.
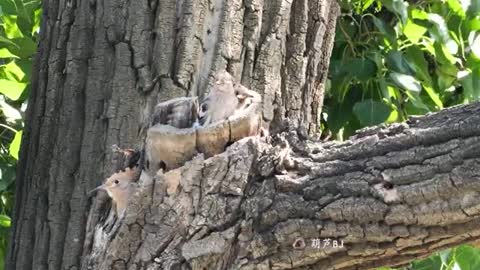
pixel 389 195
pixel 103 65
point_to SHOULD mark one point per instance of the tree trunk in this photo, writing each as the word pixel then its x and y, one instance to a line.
pixel 101 68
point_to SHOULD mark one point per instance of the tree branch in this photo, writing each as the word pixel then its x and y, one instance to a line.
pixel 391 194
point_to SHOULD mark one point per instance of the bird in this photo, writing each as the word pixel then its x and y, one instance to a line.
pixel 221 102
pixel 245 97
pixel 119 186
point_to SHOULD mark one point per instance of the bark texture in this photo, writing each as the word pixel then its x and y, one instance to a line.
pixel 101 68
pixel 390 194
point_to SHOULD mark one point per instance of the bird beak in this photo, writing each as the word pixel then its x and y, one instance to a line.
pixel 91 192
pixel 241 97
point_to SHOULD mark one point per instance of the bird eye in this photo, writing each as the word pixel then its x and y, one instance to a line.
pixel 116 182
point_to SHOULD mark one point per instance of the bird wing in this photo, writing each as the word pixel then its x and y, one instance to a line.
pixel 217 106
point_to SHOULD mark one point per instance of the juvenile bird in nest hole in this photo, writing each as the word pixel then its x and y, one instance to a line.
pixel 221 102
pixel 120 186
pixel 225 99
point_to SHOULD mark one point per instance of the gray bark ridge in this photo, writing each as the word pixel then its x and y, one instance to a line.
pixel 390 194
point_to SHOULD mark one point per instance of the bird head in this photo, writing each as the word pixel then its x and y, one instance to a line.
pixel 119 187
pixel 224 78
pixel 118 182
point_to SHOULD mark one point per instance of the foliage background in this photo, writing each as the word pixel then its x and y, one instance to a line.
pixel 391 59
pixel 19 25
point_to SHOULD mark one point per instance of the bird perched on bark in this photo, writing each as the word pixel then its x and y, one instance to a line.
pixel 246 97
pixel 221 102
pixel 119 186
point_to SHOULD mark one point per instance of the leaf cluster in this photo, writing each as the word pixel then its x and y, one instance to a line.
pixel 393 59
pixel 19 26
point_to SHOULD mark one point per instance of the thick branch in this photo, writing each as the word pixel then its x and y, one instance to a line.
pixel 391 194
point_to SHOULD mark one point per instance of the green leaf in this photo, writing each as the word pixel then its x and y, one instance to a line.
pixel 434 96
pixel 406 82
pixel 346 30
pixel 26 66
pixel 416 59
pixel 335 68
pixel 415 105
pixel 431 263
pixel 445 83
pixel 13 72
pixel 447 70
pixel 5 53
pixel 414 31
pixel 32 5
pixel 337 118
pixel 11 89
pixel 382 84
pixel 446 256
pixel 419 14
pixel 345 4
pixel 386 30
pixel 473 7
pixel 24 18
pixel 378 58
pixel 471 85
pixel 5 221
pixel 361 68
pixel 394 116
pixel 443 55
pixel 441 34
pixel 395 61
pixel 37 18
pixel 11 27
pixel 474 41
pixel 7 176
pixel 390 95
pixel 25 26
pixel 467 257
pixel 367 4
pixel 456 7
pixel 340 86
pixel 398 7
pixel 24 47
pixel 8 7
pixel 11 114
pixel 473 25
pixel 2 256
pixel 340 114
pixel 7 41
pixel 15 144
pixel 370 112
